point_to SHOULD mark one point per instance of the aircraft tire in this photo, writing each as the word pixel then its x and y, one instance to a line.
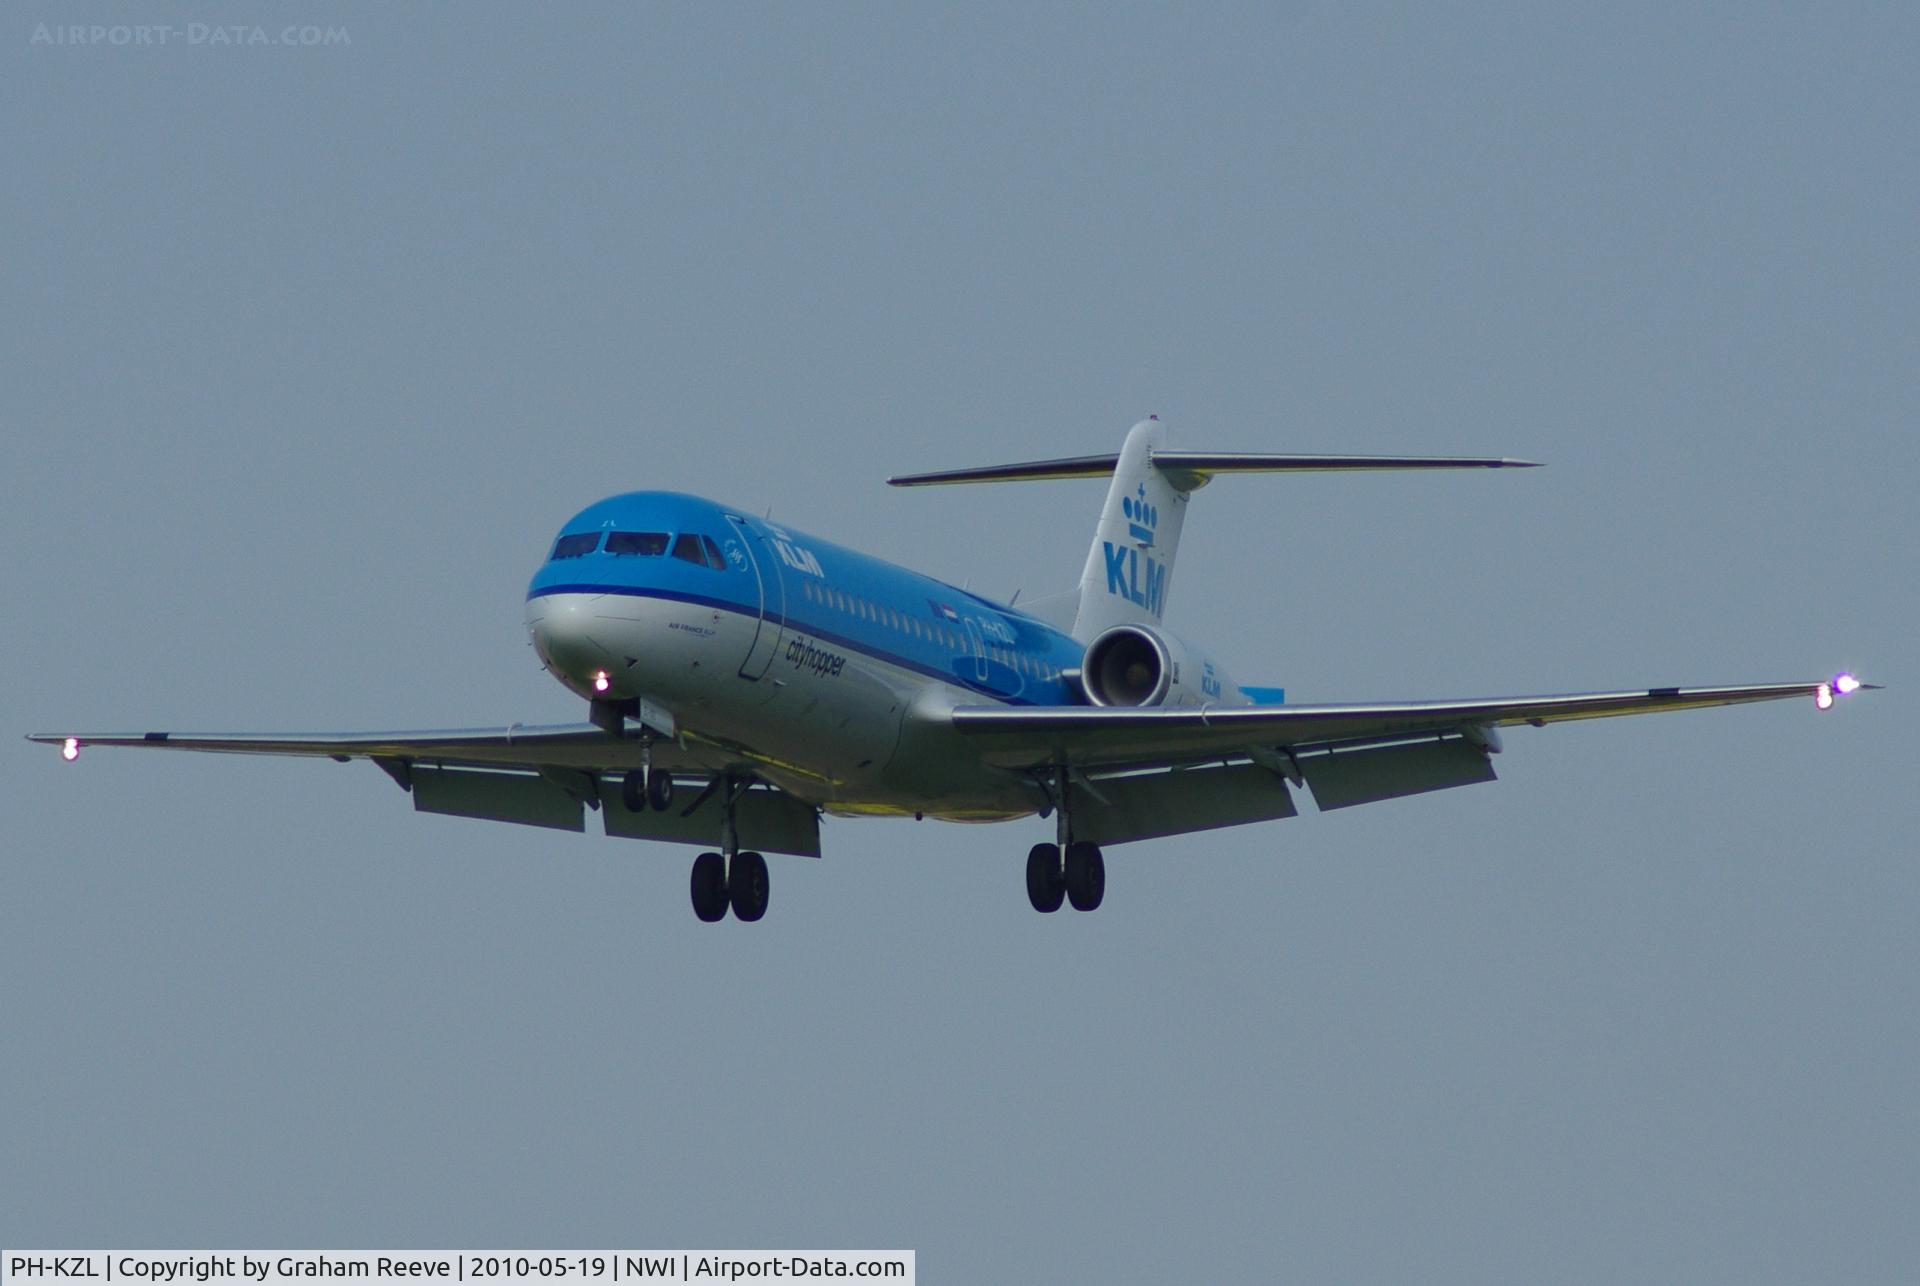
pixel 1086 876
pixel 1045 886
pixel 633 791
pixel 709 887
pixel 660 791
pixel 747 886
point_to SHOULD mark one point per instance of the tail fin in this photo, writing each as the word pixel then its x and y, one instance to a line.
pixel 1130 566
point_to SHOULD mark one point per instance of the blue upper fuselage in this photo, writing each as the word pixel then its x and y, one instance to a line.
pixel 663 544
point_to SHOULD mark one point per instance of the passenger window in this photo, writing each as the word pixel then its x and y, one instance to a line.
pixel 714 560
pixel 649 544
pixel 687 550
pixel 574 546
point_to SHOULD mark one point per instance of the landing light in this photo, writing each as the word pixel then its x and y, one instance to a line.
pixel 1823 697
pixel 70 749
pixel 600 681
pixel 1845 683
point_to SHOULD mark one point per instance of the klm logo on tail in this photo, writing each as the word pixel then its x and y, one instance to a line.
pixel 1142 517
pixel 1141 586
pixel 1124 577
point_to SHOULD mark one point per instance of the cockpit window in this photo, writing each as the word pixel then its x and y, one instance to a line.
pixel 574 546
pixel 687 550
pixel 648 543
pixel 714 560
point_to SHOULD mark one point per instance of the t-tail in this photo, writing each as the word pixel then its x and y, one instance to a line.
pixel 1129 571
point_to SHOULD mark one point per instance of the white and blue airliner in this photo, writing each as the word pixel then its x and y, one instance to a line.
pixel 744 678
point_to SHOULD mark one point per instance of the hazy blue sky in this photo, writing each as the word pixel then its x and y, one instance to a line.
pixel 306 352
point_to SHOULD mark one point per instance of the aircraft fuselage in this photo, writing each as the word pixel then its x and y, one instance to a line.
pixel 803 657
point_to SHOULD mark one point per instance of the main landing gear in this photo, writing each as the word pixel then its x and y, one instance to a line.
pixel 729 878
pixel 1081 878
pixel 716 887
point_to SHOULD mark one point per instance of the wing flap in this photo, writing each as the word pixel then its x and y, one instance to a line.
pixel 1117 810
pixel 495 797
pixel 1350 777
pixel 768 821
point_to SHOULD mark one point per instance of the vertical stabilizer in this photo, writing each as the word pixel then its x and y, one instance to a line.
pixel 1130 567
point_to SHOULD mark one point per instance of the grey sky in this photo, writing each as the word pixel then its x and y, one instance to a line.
pixel 307 352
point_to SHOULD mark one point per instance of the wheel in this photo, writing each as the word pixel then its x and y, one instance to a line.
pixel 1086 876
pixel 660 790
pixel 1045 885
pixel 747 885
pixel 633 791
pixel 709 887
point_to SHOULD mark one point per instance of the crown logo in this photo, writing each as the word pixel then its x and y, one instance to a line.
pixel 1142 517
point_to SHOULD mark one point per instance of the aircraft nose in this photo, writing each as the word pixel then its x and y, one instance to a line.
pixel 564 633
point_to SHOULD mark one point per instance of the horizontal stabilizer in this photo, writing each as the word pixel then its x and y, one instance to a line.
pixel 1188 470
pixel 1080 466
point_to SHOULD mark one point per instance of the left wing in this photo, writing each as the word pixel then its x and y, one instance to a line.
pixel 518 745
pixel 1109 736
pixel 535 775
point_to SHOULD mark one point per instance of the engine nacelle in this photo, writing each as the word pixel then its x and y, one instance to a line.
pixel 1133 665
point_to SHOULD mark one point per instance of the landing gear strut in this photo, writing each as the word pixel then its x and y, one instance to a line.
pixel 1081 879
pixel 729 878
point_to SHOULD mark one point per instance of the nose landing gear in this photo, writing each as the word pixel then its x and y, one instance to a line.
pixel 643 788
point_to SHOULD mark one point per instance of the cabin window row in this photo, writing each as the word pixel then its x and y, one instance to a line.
pixel 854 605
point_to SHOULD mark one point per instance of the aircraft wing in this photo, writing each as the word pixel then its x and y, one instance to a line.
pixel 532 774
pixel 1108 736
pixel 518 745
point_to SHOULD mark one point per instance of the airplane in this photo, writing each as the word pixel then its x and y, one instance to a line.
pixel 743 679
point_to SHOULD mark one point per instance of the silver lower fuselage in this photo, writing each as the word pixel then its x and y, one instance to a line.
pixel 841 729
